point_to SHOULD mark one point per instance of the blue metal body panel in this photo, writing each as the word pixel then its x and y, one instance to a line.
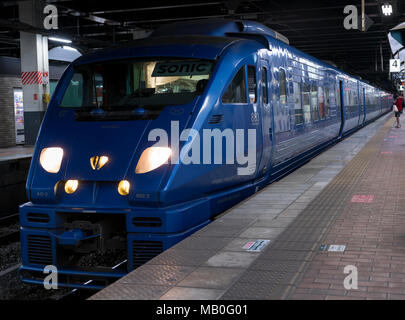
pixel 175 200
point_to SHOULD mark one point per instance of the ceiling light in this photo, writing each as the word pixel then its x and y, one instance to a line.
pixel 69 48
pixel 386 9
pixel 60 40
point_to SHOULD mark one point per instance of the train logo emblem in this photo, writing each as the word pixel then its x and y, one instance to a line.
pixel 97 162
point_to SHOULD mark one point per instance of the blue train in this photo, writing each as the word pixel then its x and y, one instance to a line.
pixel 119 172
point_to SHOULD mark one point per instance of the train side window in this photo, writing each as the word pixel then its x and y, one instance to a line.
pixel 356 98
pixel 265 90
pixel 298 111
pixel 283 87
pixel 321 103
pixel 98 87
pixel 314 102
pixel 338 98
pixel 306 105
pixel 252 84
pixel 327 102
pixel 236 91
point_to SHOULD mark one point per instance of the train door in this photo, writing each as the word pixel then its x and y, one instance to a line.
pixel 340 106
pixel 253 76
pixel 266 115
pixel 360 104
pixel 381 101
pixel 363 102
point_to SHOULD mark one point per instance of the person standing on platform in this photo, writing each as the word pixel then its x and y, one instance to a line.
pixel 399 102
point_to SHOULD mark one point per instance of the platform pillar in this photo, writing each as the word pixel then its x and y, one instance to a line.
pixel 34 69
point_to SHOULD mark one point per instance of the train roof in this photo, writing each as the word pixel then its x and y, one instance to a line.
pixel 198 46
pixel 205 39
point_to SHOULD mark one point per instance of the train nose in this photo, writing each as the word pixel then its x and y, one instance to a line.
pixel 104 154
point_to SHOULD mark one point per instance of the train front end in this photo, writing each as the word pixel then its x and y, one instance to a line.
pixel 101 165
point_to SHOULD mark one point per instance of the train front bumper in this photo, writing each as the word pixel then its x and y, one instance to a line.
pixel 45 239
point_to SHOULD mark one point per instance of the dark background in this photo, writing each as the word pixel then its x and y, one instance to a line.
pixel 315 27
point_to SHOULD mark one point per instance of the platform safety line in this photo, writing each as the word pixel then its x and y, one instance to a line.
pixel 371 148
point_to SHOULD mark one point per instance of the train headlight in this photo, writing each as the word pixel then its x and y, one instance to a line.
pixel 123 187
pixel 152 158
pixel 71 186
pixel 51 159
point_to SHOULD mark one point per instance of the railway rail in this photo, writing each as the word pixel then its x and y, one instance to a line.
pixel 9 229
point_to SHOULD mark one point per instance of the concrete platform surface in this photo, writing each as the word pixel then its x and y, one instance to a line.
pixel 17 152
pixel 345 208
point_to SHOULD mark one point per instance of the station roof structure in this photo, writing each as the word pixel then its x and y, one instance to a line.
pixel 315 27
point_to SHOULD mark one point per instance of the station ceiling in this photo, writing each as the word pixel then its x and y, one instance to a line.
pixel 315 27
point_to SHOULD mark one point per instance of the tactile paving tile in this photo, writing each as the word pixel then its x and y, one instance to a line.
pixel 182 257
pixel 221 231
pixel 290 255
pixel 290 245
pixel 158 275
pixel 254 291
pixel 263 276
pixel 131 292
pixel 275 266
pixel 318 217
pixel 203 243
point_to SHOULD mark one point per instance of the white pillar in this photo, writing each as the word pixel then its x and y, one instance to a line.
pixel 34 69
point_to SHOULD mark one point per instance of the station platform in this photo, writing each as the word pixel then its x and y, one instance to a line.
pixel 14 167
pixel 294 238
pixel 15 153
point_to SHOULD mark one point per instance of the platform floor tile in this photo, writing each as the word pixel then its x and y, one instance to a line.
pixel 211 277
pixel 183 293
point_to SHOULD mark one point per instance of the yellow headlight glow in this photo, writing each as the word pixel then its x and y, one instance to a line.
pixel 123 187
pixel 51 159
pixel 152 158
pixel 71 186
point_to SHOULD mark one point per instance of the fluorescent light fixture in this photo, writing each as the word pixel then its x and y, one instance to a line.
pixel 60 40
pixel 69 48
pixel 387 9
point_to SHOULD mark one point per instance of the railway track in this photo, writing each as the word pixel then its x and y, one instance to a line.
pixel 9 234
pixel 83 294
pixel 9 229
pixel 9 219
pixel 9 270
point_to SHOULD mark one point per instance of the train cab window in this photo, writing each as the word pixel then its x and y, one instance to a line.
pixel 252 84
pixel 283 87
pixel 321 103
pixel 236 91
pixel 327 102
pixel 298 112
pixel 314 102
pixel 265 89
pixel 306 104
pixel 74 93
pixel 137 84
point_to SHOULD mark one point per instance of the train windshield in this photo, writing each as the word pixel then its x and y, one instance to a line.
pixel 134 84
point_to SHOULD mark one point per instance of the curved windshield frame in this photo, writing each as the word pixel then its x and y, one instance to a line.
pixel 130 84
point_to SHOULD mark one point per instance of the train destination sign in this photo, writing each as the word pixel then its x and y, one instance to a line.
pixel 181 68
